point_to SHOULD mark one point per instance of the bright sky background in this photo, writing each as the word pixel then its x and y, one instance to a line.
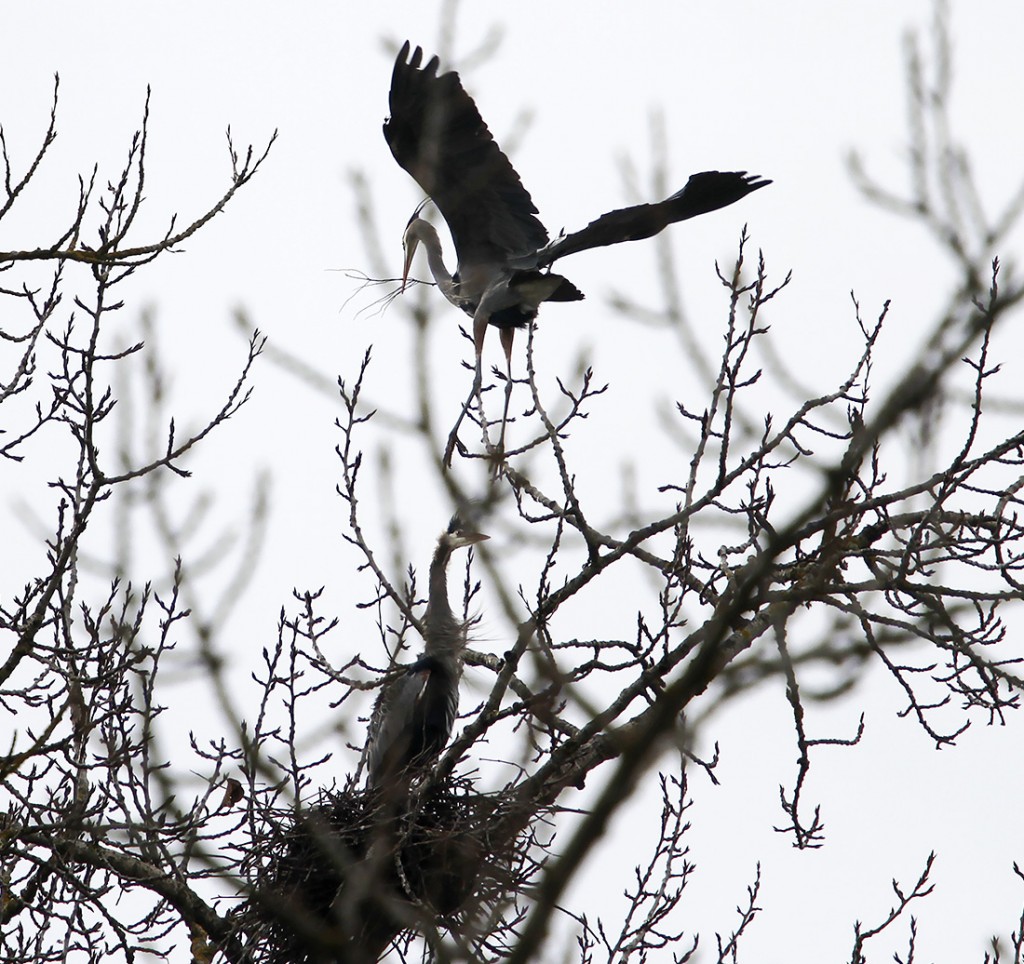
pixel 784 90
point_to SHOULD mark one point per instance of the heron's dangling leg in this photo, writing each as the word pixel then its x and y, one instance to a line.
pixel 507 336
pixel 453 435
pixel 479 331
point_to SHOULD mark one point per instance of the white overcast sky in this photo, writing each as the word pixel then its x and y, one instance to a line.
pixel 784 90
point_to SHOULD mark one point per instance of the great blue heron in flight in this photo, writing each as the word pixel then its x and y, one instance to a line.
pixel 413 716
pixel 436 133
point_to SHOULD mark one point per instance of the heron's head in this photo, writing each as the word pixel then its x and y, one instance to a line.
pixel 461 532
pixel 415 231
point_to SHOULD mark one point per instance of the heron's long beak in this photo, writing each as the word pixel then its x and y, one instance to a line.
pixel 470 538
pixel 410 243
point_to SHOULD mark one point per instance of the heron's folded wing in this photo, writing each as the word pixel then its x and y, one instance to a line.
pixel 389 737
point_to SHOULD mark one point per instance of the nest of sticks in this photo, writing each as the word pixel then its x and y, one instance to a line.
pixel 346 878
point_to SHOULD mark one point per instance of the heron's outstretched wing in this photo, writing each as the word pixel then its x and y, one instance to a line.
pixel 703 192
pixel 436 133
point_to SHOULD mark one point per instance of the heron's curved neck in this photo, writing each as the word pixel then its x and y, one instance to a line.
pixel 445 635
pixel 435 261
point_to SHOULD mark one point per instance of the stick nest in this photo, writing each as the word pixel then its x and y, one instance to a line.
pixel 346 878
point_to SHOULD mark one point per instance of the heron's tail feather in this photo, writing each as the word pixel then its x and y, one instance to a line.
pixel 566 291
pixel 536 286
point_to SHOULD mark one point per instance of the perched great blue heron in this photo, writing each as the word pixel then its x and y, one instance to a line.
pixel 413 716
pixel 436 133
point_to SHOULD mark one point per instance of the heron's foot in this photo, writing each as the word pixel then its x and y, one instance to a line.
pixel 454 442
